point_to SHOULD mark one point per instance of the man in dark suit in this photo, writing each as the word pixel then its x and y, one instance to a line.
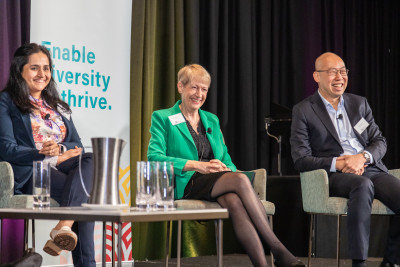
pixel 336 131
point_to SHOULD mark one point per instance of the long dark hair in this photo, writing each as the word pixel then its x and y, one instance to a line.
pixel 17 87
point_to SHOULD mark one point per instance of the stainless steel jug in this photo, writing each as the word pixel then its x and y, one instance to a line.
pixel 106 156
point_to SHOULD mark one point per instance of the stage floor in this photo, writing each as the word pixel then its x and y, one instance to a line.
pixel 241 260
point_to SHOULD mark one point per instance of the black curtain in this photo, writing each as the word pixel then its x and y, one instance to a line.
pixel 263 52
pixel 14 31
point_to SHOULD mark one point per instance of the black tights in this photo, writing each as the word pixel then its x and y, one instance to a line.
pixel 234 192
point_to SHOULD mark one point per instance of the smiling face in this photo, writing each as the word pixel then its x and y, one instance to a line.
pixel 37 74
pixel 193 94
pixel 331 87
pixel 193 84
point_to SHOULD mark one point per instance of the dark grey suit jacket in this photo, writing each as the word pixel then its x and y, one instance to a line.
pixel 314 141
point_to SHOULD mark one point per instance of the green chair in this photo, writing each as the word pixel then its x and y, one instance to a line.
pixel 259 184
pixel 9 200
pixel 316 201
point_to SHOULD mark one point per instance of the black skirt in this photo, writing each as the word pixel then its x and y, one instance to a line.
pixel 200 186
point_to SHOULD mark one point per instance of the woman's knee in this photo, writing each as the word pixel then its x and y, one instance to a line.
pixel 241 180
pixel 231 201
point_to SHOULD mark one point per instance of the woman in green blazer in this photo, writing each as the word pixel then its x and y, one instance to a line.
pixel 191 138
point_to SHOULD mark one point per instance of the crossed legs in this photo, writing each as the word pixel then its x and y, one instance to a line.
pixel 66 189
pixel 234 192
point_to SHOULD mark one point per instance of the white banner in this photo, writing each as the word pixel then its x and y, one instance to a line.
pixel 90 45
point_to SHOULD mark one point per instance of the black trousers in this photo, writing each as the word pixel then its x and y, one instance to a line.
pixel 67 190
pixel 361 191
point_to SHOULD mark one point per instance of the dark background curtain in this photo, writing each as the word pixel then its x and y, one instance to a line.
pixel 14 31
pixel 263 52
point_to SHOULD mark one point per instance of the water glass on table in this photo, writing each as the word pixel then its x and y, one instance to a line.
pixel 41 185
pixel 146 185
pixel 165 185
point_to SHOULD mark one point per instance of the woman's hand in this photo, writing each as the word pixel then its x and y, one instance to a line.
pixel 69 154
pixel 212 166
pixel 50 148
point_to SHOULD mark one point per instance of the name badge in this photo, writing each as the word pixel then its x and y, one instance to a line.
pixel 361 126
pixel 176 119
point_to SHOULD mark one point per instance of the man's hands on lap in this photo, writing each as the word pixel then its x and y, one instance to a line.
pixel 351 164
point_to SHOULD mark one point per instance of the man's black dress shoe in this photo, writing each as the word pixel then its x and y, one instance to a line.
pixel 386 263
pixel 358 263
pixel 294 264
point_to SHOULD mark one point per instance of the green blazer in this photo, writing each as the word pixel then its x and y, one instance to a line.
pixel 174 143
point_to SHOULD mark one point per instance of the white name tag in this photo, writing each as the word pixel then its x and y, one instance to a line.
pixel 361 126
pixel 176 119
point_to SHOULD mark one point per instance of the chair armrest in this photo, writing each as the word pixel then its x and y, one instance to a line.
pixel 260 183
pixel 315 190
pixel 395 173
pixel 6 184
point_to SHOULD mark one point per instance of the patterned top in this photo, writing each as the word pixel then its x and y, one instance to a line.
pixel 47 124
pixel 201 141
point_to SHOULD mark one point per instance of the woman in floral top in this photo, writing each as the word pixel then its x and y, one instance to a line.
pixel 35 124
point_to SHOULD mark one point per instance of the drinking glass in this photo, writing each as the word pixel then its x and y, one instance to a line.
pixel 41 185
pixel 146 185
pixel 165 185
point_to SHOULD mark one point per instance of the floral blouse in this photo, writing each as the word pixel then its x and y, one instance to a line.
pixel 47 124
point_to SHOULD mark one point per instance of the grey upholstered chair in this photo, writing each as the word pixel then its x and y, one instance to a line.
pixel 259 184
pixel 7 197
pixel 9 200
pixel 316 200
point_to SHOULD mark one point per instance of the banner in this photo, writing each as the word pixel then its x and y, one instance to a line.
pixel 90 46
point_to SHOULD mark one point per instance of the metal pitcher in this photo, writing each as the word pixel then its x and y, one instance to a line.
pixel 106 156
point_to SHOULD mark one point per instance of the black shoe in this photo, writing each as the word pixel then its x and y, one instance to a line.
pixel 359 263
pixel 386 263
pixel 298 263
pixel 31 259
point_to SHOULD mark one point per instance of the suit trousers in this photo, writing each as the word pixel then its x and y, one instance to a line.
pixel 66 189
pixel 361 191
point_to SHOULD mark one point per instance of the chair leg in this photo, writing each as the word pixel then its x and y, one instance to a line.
pixel 272 228
pixel 178 250
pixel 119 252
pixel 167 243
pixel 338 240
pixel 219 241
pixel 216 236
pixel 1 239
pixel 112 245
pixel 26 233
pixel 33 235
pixel 310 237
pixel 103 256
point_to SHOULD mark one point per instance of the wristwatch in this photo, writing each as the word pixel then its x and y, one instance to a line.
pixel 366 156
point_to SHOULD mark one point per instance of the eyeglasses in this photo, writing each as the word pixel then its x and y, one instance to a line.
pixel 334 72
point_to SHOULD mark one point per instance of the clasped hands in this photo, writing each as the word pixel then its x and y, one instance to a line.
pixel 351 164
pixel 211 166
pixel 51 148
